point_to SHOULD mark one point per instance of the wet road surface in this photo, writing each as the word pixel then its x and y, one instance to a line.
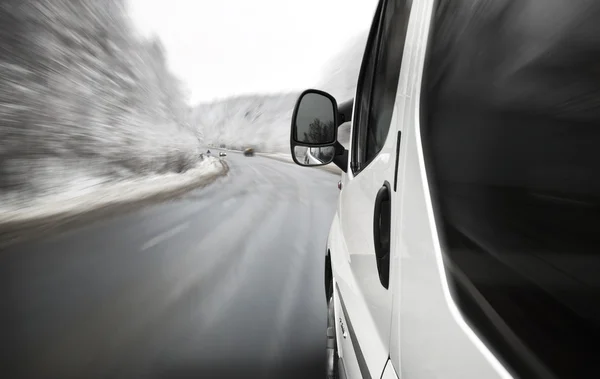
pixel 224 282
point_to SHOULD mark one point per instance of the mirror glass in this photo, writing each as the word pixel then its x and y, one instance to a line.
pixel 314 156
pixel 315 121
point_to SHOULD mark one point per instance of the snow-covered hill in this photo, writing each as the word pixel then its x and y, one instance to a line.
pixel 259 121
pixel 263 121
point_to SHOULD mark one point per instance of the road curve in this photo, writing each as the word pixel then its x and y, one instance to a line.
pixel 225 282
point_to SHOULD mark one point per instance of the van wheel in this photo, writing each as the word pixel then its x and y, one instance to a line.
pixel 332 351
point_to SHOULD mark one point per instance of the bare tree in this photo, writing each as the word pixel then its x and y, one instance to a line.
pixel 319 132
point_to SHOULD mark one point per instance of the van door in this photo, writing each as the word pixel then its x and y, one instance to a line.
pixel 362 275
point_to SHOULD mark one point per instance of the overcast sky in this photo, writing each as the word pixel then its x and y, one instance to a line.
pixel 220 48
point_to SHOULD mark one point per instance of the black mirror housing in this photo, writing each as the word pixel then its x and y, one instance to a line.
pixel 315 119
pixel 314 128
pixel 345 111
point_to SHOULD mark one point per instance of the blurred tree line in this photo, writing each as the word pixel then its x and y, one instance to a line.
pixel 77 84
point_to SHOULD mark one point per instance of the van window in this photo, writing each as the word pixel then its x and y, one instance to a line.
pixel 511 129
pixel 363 95
pixel 379 81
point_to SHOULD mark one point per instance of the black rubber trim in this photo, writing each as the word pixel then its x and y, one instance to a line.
pixel 382 232
pixel 362 364
pixel 328 276
pixel 398 139
pixel 294 143
pixel 389 363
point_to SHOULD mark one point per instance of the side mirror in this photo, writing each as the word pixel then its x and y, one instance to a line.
pixel 314 129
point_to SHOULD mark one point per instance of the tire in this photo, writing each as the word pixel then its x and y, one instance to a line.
pixel 332 351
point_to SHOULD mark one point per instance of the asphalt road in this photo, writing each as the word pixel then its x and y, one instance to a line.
pixel 224 282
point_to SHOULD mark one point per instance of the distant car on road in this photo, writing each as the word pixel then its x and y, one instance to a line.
pixel 222 154
pixel 249 152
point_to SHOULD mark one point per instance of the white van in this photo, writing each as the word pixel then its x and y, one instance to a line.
pixel 466 239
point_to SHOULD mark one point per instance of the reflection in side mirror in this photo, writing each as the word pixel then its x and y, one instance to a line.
pixel 314 156
pixel 314 121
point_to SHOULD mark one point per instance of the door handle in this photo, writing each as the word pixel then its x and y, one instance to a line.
pixel 382 229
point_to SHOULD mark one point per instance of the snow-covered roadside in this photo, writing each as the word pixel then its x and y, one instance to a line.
pixel 83 199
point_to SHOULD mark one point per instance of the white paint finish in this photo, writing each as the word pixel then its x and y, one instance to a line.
pixel 363 315
pixel 345 352
pixel 406 102
pixel 389 372
pixel 335 242
pixel 427 336
pixel 430 338
pixel 368 303
pixel 165 236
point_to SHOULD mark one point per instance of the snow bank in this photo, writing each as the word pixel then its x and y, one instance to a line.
pixel 84 193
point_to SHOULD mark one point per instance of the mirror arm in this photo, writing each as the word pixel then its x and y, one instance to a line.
pixel 345 111
pixel 341 154
pixel 341 157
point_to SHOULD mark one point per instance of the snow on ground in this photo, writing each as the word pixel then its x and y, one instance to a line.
pixel 85 192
